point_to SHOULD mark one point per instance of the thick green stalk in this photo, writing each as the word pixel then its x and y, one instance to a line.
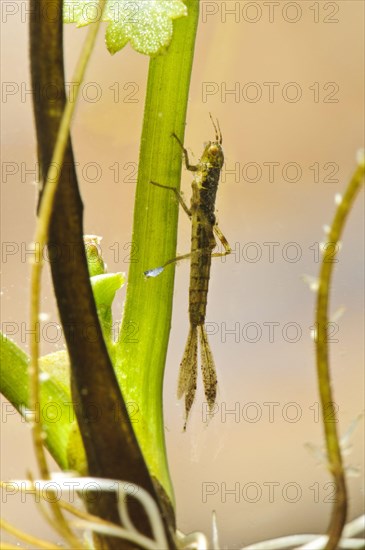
pixel 142 347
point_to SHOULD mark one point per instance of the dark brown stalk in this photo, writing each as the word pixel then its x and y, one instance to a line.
pixel 111 447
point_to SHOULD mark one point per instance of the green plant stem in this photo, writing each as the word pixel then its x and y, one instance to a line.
pixel 142 346
pixel 339 510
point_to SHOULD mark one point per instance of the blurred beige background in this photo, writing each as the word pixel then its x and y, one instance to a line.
pixel 311 144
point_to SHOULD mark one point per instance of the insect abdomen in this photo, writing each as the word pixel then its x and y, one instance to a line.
pixel 202 243
pixel 198 292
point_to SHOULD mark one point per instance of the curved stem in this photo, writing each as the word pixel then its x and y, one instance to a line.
pixel 29 539
pixel 339 511
pixel 40 240
pixel 41 235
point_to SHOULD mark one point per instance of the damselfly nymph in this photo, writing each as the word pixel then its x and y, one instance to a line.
pixel 204 228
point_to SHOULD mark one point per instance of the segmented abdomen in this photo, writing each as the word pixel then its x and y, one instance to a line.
pixel 202 243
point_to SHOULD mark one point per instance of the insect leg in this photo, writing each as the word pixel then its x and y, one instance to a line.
pixel 157 270
pixel 223 240
pixel 178 196
pixel 191 167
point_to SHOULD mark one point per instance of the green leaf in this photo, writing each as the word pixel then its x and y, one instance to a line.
pixel 95 262
pixel 104 288
pixel 62 435
pixel 146 24
pixel 55 407
pixel 57 365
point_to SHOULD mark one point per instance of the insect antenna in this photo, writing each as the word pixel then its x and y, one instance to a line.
pixel 218 133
